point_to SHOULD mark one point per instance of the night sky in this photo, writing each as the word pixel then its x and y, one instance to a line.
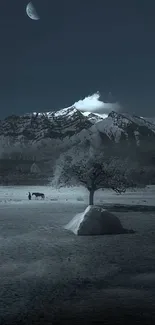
pixel 75 49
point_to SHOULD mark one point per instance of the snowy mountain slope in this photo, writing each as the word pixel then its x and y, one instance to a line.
pixel 126 127
pixel 45 132
pixel 149 119
pixel 37 126
pixel 46 137
pixel 94 117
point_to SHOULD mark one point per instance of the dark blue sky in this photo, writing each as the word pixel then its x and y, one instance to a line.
pixel 75 49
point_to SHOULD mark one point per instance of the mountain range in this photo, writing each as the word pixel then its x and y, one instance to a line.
pixel 31 129
pixel 43 136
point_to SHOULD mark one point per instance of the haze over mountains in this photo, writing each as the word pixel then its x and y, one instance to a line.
pixel 41 137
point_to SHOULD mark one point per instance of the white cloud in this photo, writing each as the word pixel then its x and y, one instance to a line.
pixel 94 104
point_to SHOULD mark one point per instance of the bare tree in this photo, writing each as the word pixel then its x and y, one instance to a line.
pixel 112 173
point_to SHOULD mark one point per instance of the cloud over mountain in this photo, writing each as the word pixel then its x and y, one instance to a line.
pixel 93 104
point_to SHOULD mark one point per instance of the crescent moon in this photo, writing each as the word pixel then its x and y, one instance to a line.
pixel 31 12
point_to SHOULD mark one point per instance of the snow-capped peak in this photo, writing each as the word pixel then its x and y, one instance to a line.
pixel 101 116
pixel 70 112
pixel 66 111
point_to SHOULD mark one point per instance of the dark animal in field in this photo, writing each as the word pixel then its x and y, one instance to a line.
pixel 36 194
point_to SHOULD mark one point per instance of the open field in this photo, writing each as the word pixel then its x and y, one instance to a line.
pixel 50 276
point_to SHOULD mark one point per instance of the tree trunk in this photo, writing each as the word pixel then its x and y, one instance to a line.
pixel 91 197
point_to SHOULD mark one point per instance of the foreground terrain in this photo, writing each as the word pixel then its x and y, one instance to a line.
pixel 49 275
